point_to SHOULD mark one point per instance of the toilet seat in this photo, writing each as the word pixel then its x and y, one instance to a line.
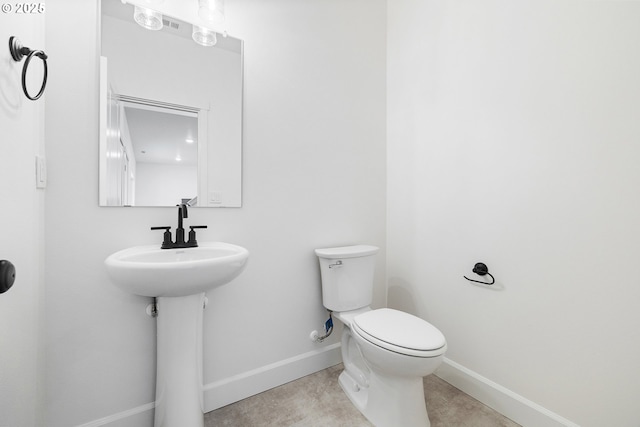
pixel 399 332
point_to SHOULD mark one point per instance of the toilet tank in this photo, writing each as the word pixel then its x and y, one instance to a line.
pixel 347 276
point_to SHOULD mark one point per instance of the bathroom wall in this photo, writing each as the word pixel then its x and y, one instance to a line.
pixel 513 139
pixel 21 217
pixel 314 176
pixel 164 184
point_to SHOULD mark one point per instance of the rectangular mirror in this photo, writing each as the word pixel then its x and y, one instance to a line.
pixel 170 114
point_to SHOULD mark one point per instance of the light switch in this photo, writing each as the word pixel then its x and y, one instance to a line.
pixel 215 197
pixel 41 172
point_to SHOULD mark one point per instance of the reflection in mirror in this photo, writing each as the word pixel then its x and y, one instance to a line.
pixel 171 115
pixel 152 157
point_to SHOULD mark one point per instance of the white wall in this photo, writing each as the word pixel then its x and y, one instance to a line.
pixel 513 139
pixel 21 219
pixel 314 176
pixel 165 185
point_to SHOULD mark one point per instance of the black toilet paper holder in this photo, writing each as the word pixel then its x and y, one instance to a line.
pixel 481 269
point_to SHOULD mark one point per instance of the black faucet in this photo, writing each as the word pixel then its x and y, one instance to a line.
pixel 182 213
pixel 167 243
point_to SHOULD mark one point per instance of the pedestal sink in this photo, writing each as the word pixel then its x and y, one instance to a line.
pixel 178 278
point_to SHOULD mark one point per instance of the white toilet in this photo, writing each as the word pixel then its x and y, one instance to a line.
pixel 385 352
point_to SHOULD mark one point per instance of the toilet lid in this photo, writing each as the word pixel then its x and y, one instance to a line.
pixel 399 329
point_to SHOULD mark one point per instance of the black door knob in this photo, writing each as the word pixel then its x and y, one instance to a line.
pixel 7 275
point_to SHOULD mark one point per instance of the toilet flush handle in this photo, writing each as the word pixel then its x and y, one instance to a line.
pixel 337 264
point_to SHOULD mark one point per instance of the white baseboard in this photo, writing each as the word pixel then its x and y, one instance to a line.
pixel 139 416
pixel 503 400
pixel 238 387
pixel 246 384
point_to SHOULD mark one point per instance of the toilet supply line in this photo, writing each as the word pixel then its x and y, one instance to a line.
pixel 328 328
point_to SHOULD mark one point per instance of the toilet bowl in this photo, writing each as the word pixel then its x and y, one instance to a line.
pixel 383 373
pixel 385 352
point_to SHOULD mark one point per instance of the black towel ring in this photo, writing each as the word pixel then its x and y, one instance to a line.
pixel 17 53
pixel 481 269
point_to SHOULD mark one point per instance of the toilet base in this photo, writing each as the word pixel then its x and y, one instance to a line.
pixel 388 401
pixel 358 395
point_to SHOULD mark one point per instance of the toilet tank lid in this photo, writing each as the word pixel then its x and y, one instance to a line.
pixel 347 251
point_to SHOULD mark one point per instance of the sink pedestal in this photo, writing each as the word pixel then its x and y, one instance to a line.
pixel 179 381
pixel 178 278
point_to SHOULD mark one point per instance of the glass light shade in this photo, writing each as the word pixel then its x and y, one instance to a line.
pixel 147 18
pixel 211 11
pixel 204 36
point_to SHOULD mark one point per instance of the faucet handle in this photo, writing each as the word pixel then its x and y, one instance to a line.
pixel 192 234
pixel 166 242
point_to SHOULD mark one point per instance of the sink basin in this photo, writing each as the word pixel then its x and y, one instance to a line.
pixel 153 272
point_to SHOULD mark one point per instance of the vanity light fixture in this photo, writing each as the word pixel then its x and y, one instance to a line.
pixel 147 18
pixel 204 36
pixel 189 140
pixel 211 11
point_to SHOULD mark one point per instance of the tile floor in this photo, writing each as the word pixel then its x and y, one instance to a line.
pixel 318 401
